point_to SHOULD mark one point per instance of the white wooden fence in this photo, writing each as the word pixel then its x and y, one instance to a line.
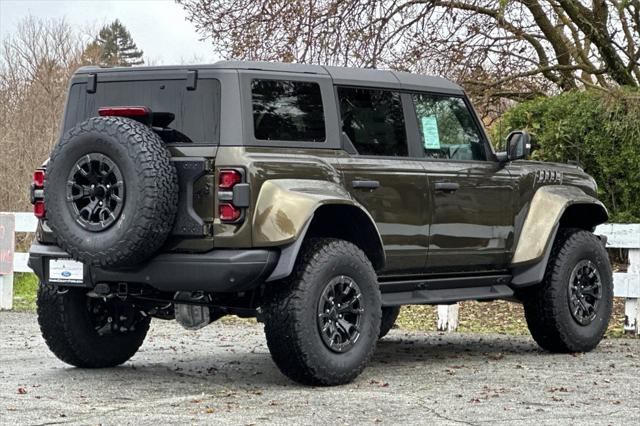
pixel 626 284
pixel 23 222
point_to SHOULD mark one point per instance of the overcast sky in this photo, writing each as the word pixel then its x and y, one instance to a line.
pixel 158 27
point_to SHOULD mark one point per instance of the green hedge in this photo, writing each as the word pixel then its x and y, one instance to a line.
pixel 600 130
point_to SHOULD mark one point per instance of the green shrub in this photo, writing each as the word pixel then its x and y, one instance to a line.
pixel 599 130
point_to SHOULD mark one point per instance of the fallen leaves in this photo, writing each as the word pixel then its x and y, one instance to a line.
pixel 495 357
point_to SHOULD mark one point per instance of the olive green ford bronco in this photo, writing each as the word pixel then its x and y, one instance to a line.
pixel 317 199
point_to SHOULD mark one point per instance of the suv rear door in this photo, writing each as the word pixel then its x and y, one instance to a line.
pixel 380 175
pixel 470 194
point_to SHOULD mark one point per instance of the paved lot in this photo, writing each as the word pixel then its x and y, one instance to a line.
pixel 224 374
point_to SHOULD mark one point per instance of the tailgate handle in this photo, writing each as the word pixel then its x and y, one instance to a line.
pixel 365 184
pixel 447 186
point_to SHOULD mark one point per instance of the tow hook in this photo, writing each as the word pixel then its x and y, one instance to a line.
pixel 101 290
pixel 123 290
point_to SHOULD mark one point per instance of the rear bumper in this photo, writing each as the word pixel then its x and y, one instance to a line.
pixel 222 270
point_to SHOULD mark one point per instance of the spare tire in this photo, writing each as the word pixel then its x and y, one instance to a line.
pixel 110 192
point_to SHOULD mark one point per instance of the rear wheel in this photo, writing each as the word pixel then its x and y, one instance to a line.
pixel 570 310
pixel 322 322
pixel 89 332
pixel 389 316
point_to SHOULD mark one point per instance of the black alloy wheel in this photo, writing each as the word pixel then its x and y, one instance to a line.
pixel 585 292
pixel 95 192
pixel 340 313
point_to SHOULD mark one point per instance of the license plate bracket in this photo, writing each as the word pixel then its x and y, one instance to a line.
pixel 67 271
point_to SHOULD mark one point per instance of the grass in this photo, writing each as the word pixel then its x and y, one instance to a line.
pixel 475 317
pixel 491 317
pixel 25 286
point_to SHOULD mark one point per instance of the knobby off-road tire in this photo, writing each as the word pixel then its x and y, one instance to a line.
pixel 69 329
pixel 138 213
pixel 294 314
pixel 389 316
pixel 547 307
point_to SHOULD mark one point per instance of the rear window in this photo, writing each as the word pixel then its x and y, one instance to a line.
pixel 287 111
pixel 187 115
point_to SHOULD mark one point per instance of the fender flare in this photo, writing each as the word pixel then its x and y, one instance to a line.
pixel 540 227
pixel 284 211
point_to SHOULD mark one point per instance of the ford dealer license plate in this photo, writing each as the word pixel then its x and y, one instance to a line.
pixel 65 271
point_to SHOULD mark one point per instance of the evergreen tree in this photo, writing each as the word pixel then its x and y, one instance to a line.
pixel 114 47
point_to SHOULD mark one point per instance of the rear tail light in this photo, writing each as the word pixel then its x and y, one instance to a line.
pixel 230 206
pixel 228 178
pixel 37 194
pixel 229 212
pixel 38 209
pixel 38 178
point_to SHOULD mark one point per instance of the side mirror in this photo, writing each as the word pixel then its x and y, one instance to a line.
pixel 518 145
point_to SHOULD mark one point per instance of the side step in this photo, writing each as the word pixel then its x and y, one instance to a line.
pixel 446 296
pixel 444 291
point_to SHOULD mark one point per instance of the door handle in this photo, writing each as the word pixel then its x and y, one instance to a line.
pixel 447 186
pixel 365 184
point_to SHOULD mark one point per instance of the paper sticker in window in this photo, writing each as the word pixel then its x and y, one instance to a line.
pixel 430 132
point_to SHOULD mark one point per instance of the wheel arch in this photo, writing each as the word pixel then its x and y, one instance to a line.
pixel 351 223
pixel 289 211
pixel 583 215
pixel 552 207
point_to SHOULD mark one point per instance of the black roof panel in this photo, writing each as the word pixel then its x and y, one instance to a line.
pixel 340 75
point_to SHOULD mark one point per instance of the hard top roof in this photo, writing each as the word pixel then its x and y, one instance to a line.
pixel 340 75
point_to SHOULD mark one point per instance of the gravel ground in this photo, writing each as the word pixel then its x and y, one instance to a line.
pixel 223 374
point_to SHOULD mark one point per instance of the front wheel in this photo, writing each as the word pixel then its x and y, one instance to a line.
pixel 89 332
pixel 322 322
pixel 570 310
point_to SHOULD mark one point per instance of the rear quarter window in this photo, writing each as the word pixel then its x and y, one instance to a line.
pixel 196 113
pixel 285 110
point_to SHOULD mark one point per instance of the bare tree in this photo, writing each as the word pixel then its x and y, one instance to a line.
pixel 35 65
pixel 504 48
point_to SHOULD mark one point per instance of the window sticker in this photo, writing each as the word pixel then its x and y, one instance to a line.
pixel 430 132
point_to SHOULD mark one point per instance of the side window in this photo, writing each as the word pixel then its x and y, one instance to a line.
pixel 447 128
pixel 373 120
pixel 287 111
